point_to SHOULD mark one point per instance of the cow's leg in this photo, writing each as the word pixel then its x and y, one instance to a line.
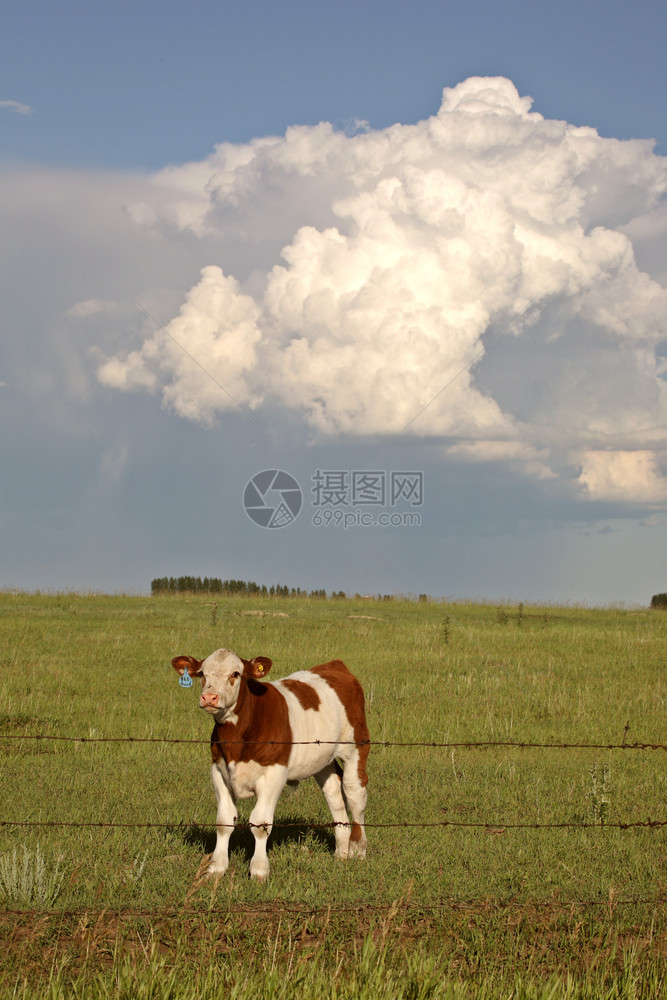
pixel 224 821
pixel 329 780
pixel 268 788
pixel 354 790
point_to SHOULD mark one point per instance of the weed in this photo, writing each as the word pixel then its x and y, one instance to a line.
pixel 600 792
pixel 446 630
pixel 27 882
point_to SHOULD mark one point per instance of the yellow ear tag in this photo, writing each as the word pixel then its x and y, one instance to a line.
pixel 260 668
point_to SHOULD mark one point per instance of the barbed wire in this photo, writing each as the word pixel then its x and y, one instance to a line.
pixel 494 827
pixel 482 904
pixel 431 744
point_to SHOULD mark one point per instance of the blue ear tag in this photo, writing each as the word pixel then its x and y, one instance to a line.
pixel 185 680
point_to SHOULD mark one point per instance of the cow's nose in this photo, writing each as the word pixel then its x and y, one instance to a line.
pixel 209 699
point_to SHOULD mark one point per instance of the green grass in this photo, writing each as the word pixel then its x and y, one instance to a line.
pixel 439 910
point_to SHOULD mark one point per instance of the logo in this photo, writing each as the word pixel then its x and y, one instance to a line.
pixel 272 499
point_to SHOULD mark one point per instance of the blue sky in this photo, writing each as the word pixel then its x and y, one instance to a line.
pixel 256 236
pixel 142 84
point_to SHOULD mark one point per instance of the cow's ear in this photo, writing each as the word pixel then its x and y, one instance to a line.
pixel 183 663
pixel 258 667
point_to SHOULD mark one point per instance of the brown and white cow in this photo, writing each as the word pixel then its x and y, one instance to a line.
pixel 269 733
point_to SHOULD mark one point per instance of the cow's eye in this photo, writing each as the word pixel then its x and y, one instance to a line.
pixel 235 675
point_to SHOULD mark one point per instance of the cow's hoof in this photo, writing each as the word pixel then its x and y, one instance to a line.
pixel 215 871
pixel 259 873
pixel 355 850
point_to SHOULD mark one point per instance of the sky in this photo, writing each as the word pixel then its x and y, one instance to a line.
pixel 362 296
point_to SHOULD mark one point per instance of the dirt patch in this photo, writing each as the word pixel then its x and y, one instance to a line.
pixel 264 614
pixel 549 934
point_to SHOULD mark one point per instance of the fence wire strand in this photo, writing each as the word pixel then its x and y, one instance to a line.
pixel 493 827
pixel 448 745
pixel 481 905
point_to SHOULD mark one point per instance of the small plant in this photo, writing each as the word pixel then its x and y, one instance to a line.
pixel 501 616
pixel 600 793
pixel 519 617
pixel 28 882
pixel 446 631
pixel 134 871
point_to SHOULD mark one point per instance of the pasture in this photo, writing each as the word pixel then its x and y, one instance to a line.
pixel 492 871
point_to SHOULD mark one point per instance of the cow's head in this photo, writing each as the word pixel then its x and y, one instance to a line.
pixel 221 676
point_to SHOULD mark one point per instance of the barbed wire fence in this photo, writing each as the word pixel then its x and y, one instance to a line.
pixel 485 905
pixel 470 744
pixel 495 827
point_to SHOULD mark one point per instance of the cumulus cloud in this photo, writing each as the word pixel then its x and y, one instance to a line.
pixel 363 279
pixel 623 475
pixel 218 324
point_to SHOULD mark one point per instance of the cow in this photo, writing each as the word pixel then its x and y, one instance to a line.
pixel 268 734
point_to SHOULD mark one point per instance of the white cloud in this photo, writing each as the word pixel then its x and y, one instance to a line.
pixel 16 107
pixel 217 324
pixel 623 475
pixel 404 252
pixel 95 307
pixel 522 455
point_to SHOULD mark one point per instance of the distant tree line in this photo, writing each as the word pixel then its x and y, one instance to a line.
pixel 246 588
pixel 213 585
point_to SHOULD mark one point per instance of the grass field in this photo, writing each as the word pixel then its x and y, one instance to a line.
pixel 479 895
